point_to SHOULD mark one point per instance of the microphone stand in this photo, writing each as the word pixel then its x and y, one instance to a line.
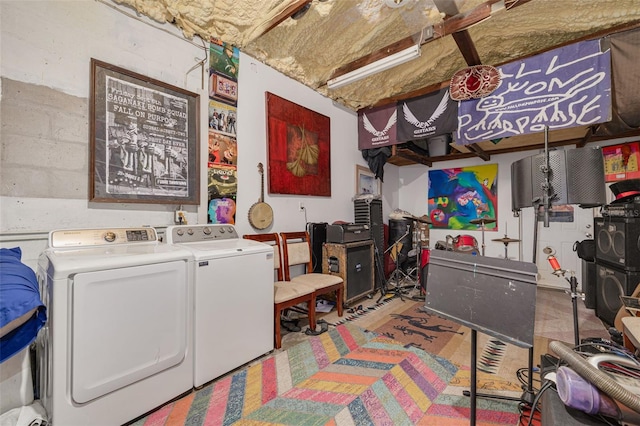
pixel 379 272
pixel 573 289
pixel 528 395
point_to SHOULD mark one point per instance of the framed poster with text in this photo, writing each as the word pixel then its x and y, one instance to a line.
pixel 144 141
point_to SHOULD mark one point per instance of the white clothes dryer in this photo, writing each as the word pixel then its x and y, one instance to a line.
pixel 233 287
pixel 118 340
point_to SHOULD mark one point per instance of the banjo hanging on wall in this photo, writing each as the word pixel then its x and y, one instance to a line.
pixel 261 213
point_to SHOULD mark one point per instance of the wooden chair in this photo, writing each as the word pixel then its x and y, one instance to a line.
pixel 297 251
pixel 285 294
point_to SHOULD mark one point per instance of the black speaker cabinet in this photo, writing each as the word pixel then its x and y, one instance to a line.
pixel 611 283
pixel 369 212
pixel 618 242
pixel 576 177
pixel 589 283
pixel 318 236
pixel 353 262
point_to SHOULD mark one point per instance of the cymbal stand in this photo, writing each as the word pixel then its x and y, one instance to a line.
pixel 506 244
pixel 482 225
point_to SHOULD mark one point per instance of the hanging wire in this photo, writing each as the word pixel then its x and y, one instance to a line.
pixel 200 62
pixel 137 18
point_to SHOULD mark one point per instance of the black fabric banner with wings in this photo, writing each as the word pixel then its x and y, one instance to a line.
pixel 431 115
pixel 377 127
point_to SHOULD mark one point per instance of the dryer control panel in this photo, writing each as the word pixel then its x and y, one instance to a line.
pixel 194 233
pixel 99 237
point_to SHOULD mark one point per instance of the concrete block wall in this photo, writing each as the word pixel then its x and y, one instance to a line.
pixel 44 142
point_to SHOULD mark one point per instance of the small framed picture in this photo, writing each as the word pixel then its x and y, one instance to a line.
pixel 366 182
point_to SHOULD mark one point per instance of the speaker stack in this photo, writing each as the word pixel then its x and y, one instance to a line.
pixel 617 235
pixel 368 211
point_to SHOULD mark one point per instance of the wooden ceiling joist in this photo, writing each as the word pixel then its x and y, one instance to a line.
pixel 285 14
pixel 449 26
pixel 479 151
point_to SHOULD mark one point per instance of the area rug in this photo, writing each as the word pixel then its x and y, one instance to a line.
pixel 499 365
pixel 347 376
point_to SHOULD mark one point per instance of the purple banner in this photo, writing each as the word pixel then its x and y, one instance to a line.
pixel 377 127
pixel 562 88
pixel 431 115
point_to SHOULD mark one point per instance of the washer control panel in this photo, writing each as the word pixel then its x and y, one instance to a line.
pixel 195 233
pixel 99 237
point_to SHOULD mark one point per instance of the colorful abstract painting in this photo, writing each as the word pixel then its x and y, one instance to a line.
pixel 459 195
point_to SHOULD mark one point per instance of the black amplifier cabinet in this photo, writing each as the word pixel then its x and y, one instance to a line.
pixel 611 283
pixel 353 262
pixel 631 209
pixel 589 283
pixel 347 233
pixel 618 242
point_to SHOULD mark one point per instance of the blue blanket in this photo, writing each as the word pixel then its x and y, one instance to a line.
pixel 19 294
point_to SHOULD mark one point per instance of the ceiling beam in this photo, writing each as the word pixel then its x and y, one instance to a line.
pixel 454 24
pixel 462 38
pixel 590 132
pixel 467 48
pixel 390 49
pixel 479 151
pixel 411 156
pixel 285 14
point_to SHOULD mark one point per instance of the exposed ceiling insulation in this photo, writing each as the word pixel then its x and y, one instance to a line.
pixel 329 34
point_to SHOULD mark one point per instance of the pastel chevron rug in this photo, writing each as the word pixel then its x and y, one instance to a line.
pixel 347 376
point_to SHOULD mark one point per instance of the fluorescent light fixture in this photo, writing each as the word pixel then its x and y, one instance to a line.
pixel 385 63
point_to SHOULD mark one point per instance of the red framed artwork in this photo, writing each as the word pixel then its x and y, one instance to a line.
pixel 298 149
pixel 621 162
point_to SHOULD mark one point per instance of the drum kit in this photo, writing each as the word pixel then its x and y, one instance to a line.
pixel 419 241
pixel 420 248
pixel 468 243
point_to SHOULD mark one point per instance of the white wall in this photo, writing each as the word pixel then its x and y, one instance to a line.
pixel 254 80
pixel 49 44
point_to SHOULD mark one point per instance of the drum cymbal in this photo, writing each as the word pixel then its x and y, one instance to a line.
pixel 422 219
pixel 506 240
pixel 482 221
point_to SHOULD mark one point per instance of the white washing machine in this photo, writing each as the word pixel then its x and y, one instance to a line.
pixel 118 340
pixel 233 287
